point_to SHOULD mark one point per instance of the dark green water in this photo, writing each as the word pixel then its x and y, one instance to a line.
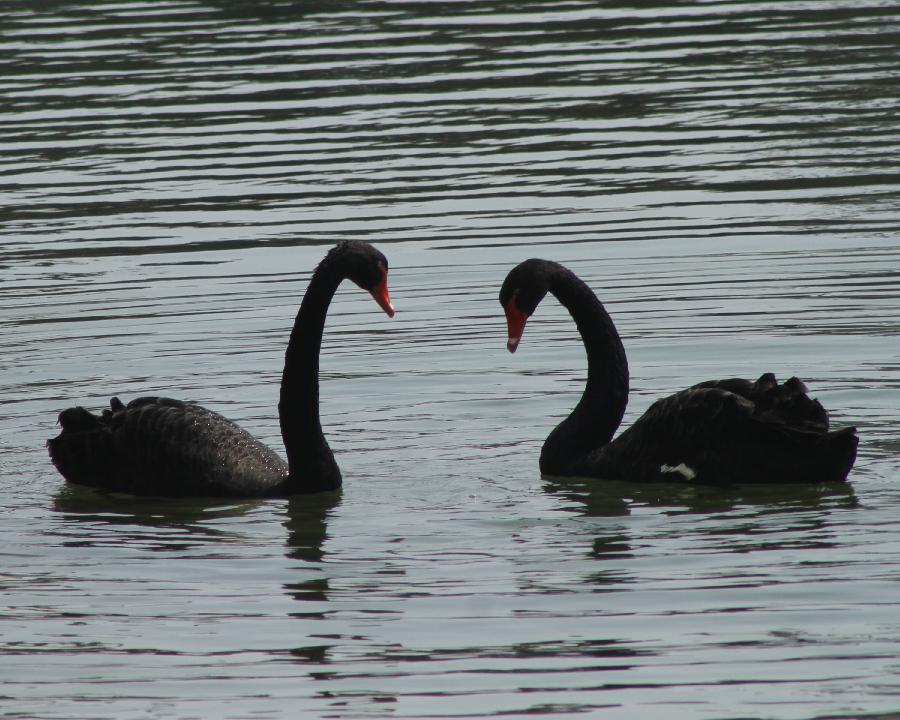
pixel 725 175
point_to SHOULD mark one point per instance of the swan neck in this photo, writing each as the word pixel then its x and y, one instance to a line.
pixel 310 461
pixel 595 419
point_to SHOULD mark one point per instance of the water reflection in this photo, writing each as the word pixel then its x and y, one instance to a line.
pixel 181 523
pixel 95 518
pixel 611 498
pixel 307 524
pixel 712 521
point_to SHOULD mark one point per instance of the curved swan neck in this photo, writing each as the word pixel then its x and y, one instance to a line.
pixel 310 461
pixel 598 414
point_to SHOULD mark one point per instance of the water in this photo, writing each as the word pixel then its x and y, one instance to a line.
pixel 723 174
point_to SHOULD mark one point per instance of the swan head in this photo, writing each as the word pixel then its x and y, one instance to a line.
pixel 522 291
pixel 368 268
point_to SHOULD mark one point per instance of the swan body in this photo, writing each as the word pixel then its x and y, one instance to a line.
pixel 165 447
pixel 720 431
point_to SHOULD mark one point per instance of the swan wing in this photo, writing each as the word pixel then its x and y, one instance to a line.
pixel 711 434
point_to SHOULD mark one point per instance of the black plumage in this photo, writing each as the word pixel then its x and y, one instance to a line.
pixel 720 431
pixel 166 447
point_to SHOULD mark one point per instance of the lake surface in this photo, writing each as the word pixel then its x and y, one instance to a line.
pixel 726 175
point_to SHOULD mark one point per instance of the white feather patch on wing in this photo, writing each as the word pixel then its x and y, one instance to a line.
pixel 686 472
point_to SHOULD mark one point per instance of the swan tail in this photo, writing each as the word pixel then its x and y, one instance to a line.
pixel 834 454
pixel 123 447
pixel 811 457
pixel 82 451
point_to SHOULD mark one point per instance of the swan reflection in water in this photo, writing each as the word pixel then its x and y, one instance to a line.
pixel 613 498
pixel 98 517
pixel 103 518
pixel 710 519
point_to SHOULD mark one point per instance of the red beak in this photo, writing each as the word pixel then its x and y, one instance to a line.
pixel 383 297
pixel 515 324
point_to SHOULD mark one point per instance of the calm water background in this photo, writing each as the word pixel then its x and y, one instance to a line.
pixel 724 174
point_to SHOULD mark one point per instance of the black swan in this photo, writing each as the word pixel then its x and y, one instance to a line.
pixel 721 431
pixel 164 447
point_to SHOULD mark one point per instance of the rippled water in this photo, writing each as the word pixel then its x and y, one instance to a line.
pixel 724 174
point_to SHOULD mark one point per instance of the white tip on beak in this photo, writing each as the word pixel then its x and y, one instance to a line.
pixel 512 344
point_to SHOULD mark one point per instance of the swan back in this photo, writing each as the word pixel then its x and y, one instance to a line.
pixel 160 446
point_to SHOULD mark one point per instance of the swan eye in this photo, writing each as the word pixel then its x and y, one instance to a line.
pixel 522 305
